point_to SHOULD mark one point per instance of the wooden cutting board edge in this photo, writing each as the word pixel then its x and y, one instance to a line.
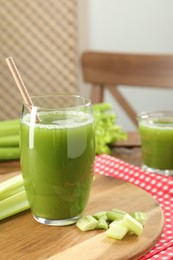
pixel 100 240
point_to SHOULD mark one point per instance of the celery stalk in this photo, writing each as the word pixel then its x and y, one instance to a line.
pixel 9 127
pixel 11 192
pixel 9 122
pixel 9 153
pixel 13 205
pixel 8 187
pixel 9 141
pixel 12 197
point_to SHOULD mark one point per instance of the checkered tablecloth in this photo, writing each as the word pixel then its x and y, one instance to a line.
pixel 160 187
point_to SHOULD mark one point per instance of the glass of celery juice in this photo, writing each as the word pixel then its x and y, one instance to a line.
pixel 156 131
pixel 57 157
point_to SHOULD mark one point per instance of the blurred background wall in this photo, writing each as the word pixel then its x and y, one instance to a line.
pixel 128 26
pixel 42 38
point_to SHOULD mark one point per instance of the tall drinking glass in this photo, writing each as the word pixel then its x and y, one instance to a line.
pixel 57 156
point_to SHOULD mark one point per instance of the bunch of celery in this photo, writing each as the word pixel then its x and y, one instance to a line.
pixel 12 197
pixel 9 140
pixel 106 129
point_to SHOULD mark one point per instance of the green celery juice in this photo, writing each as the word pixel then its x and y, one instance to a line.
pixel 157 145
pixel 57 160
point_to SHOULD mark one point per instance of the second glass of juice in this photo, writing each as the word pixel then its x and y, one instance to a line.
pixel 156 131
pixel 57 157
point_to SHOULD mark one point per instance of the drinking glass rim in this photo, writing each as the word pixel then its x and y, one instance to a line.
pixel 154 114
pixel 86 100
pixel 152 118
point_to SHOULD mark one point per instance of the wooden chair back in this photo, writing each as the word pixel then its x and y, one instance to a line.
pixel 110 70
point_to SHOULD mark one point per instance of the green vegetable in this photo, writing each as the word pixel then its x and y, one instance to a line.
pixel 9 187
pixel 106 130
pixel 141 217
pixel 87 223
pixel 9 153
pixel 9 141
pixel 102 224
pixel 9 127
pixel 13 205
pixel 115 214
pixel 100 215
pixel 12 197
pixel 117 231
pixel 132 224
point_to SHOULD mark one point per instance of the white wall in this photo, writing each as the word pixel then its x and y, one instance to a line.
pixel 129 25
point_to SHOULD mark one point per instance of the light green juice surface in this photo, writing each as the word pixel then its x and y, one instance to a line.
pixel 157 145
pixel 57 160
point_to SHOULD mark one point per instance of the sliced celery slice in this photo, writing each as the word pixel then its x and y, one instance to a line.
pixel 115 222
pixel 102 224
pixel 87 223
pixel 117 231
pixel 115 214
pixel 140 216
pixel 100 215
pixel 120 213
pixel 132 224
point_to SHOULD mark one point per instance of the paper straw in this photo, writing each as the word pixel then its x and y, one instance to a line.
pixel 19 82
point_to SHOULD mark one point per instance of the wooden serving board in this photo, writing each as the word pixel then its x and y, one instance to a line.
pixel 23 238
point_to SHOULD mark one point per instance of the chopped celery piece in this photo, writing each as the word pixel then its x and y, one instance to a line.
pixel 117 231
pixel 13 205
pixel 115 222
pixel 120 213
pixel 132 224
pixel 100 215
pixel 141 217
pixel 9 153
pixel 102 224
pixel 115 214
pixel 7 187
pixel 118 223
pixel 87 223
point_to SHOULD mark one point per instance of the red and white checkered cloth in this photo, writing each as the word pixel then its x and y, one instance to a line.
pixel 160 187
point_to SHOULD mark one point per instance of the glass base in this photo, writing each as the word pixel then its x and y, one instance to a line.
pixel 54 222
pixel 162 172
